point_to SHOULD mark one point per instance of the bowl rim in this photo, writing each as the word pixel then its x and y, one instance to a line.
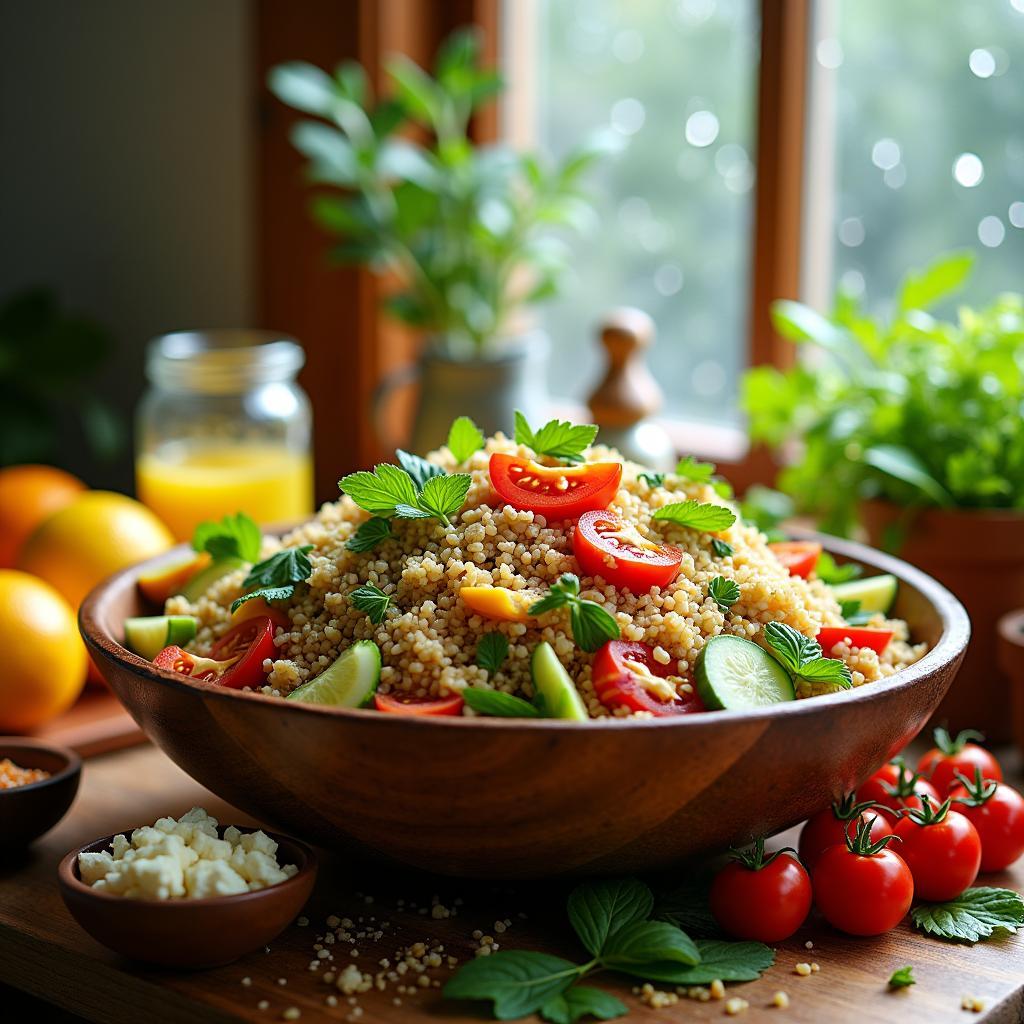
pixel 72 762
pixel 952 643
pixel 69 877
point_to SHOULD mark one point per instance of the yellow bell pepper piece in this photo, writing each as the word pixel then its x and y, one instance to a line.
pixel 499 603
pixel 160 584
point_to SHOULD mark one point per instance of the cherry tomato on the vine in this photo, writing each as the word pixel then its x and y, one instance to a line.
pixel 895 786
pixel 831 827
pixel 997 813
pixel 759 898
pixel 942 850
pixel 957 754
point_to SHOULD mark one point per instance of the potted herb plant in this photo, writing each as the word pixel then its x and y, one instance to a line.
pixel 912 426
pixel 465 230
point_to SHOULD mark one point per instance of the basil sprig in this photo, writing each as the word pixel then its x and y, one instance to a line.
pixel 592 625
pixel 276 577
pixel 802 656
pixel 557 438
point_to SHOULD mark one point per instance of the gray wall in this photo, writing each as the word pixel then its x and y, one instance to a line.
pixel 126 140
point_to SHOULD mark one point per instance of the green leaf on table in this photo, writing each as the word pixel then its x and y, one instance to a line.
pixel 829 571
pixel 518 982
pixel 727 961
pixel 597 909
pixel 724 592
pixel 372 600
pixel 697 515
pixel 419 469
pixel 648 942
pixel 491 651
pixel 464 439
pixel 688 906
pixel 922 289
pixel 974 915
pixel 902 464
pixel 690 468
pixel 235 536
pixel 499 704
pixel 290 565
pixel 369 535
pixel 381 491
pixel 582 1001
pixel 720 548
pixel 902 978
pixel 557 438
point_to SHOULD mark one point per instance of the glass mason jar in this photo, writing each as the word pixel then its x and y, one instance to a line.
pixel 224 428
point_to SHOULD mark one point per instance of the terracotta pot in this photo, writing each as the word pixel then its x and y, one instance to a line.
pixel 979 555
pixel 1010 654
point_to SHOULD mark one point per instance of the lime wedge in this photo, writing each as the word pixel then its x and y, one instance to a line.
pixel 349 682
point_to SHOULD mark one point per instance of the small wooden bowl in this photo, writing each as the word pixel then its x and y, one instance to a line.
pixel 26 812
pixel 185 933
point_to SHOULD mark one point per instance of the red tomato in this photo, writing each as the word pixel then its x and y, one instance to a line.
pixel 895 786
pixel 997 813
pixel 942 849
pixel 798 556
pixel 860 636
pixel 762 899
pixel 832 826
pixel 398 704
pixel 607 546
pixel 625 674
pixel 250 643
pixel 950 756
pixel 174 659
pixel 558 492
pixel 862 888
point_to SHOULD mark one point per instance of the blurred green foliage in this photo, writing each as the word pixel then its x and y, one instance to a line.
pixel 914 409
pixel 47 357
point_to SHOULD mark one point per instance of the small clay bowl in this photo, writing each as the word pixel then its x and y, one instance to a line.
pixel 185 933
pixel 26 812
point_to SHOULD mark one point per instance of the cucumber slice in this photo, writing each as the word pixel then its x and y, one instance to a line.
pixel 876 593
pixel 349 682
pixel 561 698
pixel 205 578
pixel 734 674
pixel 147 636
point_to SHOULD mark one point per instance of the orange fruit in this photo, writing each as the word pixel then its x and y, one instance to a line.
pixel 88 540
pixel 44 658
pixel 28 495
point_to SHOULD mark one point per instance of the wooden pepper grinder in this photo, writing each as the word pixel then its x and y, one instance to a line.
pixel 629 395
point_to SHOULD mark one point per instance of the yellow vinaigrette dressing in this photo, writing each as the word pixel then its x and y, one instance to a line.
pixel 185 484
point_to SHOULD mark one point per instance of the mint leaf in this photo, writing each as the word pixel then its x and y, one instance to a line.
pixel 419 469
pixel 464 439
pixel 518 982
pixel 829 571
pixel 443 496
pixel 557 438
pixel 291 565
pixel 582 1001
pixel 372 600
pixel 597 909
pixel 697 515
pixel 592 625
pixel 902 978
pixel 491 651
pixel 848 608
pixel 381 491
pixel 720 548
pixel 235 536
pixel 498 704
pixel 652 479
pixel 690 469
pixel 791 647
pixel 369 535
pixel 646 942
pixel 827 670
pixel 266 594
pixel 727 961
pixel 559 595
pixel 725 592
pixel 688 906
pixel 974 915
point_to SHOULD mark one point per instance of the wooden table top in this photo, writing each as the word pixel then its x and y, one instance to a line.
pixel 44 953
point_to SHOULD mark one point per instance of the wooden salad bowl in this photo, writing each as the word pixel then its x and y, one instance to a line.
pixel 508 798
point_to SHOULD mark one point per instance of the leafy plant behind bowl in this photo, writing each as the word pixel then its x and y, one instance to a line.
pixel 913 409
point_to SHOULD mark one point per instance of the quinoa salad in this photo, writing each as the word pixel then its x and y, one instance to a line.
pixel 621 582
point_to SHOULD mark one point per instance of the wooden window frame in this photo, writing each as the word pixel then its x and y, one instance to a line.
pixel 335 311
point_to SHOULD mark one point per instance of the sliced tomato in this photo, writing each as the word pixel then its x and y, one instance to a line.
pixel 558 492
pixel 250 643
pixel 174 659
pixel 859 636
pixel 606 545
pixel 798 556
pixel 625 674
pixel 400 704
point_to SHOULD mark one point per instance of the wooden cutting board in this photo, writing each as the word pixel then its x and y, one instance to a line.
pixel 45 954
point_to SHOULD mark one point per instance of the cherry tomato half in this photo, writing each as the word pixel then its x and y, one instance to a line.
pixel 798 556
pixel 951 755
pixel 895 786
pixel 859 636
pixel 625 674
pixel 942 849
pixel 606 545
pixel 997 813
pixel 558 492
pixel 862 894
pixel 831 827
pixel 251 642
pixel 174 659
pixel 398 704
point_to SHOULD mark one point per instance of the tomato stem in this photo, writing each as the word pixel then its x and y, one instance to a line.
pixel 979 790
pixel 906 780
pixel 754 859
pixel 848 808
pixel 861 844
pixel 950 745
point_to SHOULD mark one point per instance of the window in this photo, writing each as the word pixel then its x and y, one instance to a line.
pixel 676 81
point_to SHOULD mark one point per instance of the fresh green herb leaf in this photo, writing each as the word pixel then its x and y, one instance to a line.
pixel 697 515
pixel 372 600
pixel 369 535
pixel 464 439
pixel 635 945
pixel 419 469
pixel 902 978
pixel 518 982
pixel 235 536
pixel 827 670
pixel 791 647
pixel 723 488
pixel 688 906
pixel 720 548
pixel 266 594
pixel 557 438
pixel 592 625
pixel 848 608
pixel 441 497
pixel 597 909
pixel 652 479
pixel 491 651
pixel 498 704
pixel 582 1001
pixel 725 592
pixel 974 915
pixel 727 961
pixel 290 565
pixel 690 469
pixel 828 571
pixel 381 491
